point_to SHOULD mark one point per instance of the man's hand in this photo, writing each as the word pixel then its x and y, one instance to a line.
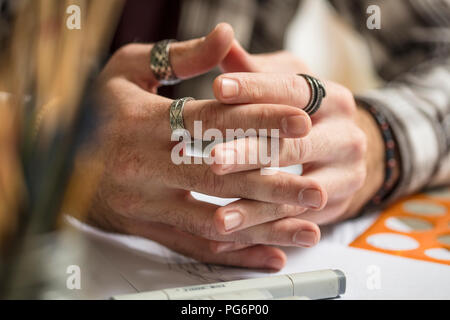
pixel 143 192
pixel 334 154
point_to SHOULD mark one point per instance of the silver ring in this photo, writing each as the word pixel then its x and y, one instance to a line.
pixel 317 94
pixel 160 63
pixel 176 113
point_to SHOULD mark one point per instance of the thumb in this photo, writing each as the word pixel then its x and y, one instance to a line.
pixel 194 57
pixel 187 58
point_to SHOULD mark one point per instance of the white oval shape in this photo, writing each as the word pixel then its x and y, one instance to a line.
pixel 424 208
pixel 445 239
pixel 392 241
pixel 438 253
pixel 443 193
pixel 407 224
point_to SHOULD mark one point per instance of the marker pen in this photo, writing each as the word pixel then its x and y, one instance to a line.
pixel 255 294
pixel 293 298
pixel 320 284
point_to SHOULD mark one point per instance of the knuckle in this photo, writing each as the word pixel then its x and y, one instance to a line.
pixel 288 86
pixel 206 229
pixel 358 145
pixel 297 88
pixel 265 115
pixel 299 150
pixel 213 247
pixel 282 211
pixel 211 117
pixel 245 187
pixel 362 175
pixel 124 203
pixel 359 175
pixel 279 232
pixel 200 227
pixel 302 149
pixel 124 52
pixel 256 92
pixel 125 164
pixel 213 183
pixel 245 88
pixel 281 187
pixel 346 102
pixel 129 118
pixel 290 151
pixel 272 235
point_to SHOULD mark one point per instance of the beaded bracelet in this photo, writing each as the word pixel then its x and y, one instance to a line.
pixel 391 154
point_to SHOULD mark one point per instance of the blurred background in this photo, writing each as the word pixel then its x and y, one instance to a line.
pixel 316 34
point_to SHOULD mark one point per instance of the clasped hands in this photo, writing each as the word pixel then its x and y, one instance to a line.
pixel 142 192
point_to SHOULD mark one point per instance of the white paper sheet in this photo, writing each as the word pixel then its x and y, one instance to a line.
pixel 370 275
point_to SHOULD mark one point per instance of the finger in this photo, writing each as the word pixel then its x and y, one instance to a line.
pixel 247 154
pixel 290 232
pixel 325 142
pixel 239 120
pixel 340 182
pixel 201 219
pixel 330 214
pixel 205 250
pixel 280 88
pixel 222 246
pixel 187 58
pixel 197 218
pixel 194 57
pixel 200 249
pixel 275 186
pixel 244 213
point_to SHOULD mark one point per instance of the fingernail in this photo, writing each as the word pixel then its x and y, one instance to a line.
pixel 311 198
pixel 226 158
pixel 230 88
pixel 232 220
pixel 274 263
pixel 305 238
pixel 294 125
pixel 224 246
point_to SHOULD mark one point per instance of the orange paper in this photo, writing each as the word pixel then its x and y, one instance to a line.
pixel 432 209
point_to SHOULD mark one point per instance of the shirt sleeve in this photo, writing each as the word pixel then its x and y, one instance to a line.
pixel 411 51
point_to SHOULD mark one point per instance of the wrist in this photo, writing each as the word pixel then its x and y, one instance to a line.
pixel 374 159
pixel 382 158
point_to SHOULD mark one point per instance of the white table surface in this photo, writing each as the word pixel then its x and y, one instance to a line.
pixel 117 264
pixel 112 265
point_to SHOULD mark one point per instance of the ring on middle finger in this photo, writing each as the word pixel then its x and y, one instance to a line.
pixel 317 94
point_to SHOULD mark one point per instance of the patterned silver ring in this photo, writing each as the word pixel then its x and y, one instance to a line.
pixel 160 63
pixel 317 94
pixel 176 113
